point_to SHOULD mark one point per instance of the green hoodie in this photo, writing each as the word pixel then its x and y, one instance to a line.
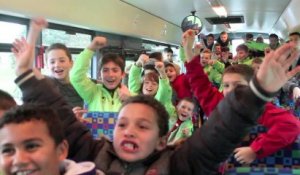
pixel 215 72
pixel 163 95
pixel 95 95
pixel 179 134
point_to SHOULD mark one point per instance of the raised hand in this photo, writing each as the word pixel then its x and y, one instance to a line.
pixel 211 62
pixel 123 92
pixel 273 72
pixel 143 58
pixel 23 53
pixel 24 50
pixel 197 49
pixel 97 43
pixel 160 67
pixel 36 26
pixel 188 39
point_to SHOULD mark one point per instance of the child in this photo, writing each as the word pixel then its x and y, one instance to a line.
pixel 179 83
pixel 183 128
pixel 226 57
pixel 32 142
pixel 139 137
pixel 6 102
pixel 59 62
pixel 242 56
pixel 105 97
pixel 283 127
pixel 168 54
pixel 155 84
pixel 224 40
pixel 212 68
pixel 209 41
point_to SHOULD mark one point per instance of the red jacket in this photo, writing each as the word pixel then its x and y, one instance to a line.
pixel 181 87
pixel 283 127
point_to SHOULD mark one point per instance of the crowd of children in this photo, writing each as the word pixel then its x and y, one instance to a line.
pixel 154 132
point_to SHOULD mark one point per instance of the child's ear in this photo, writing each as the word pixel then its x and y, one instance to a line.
pixel 123 74
pixel 62 150
pixel 162 143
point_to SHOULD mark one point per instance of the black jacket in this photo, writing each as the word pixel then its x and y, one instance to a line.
pixel 200 154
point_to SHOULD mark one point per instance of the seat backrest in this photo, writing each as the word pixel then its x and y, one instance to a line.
pixel 101 123
pixel 262 171
pixel 288 157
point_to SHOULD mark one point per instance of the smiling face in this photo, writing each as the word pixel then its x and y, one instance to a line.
pixel 26 151
pixel 136 134
pixel 185 110
pixel 111 75
pixel 150 87
pixel 171 73
pixel 150 84
pixel 59 64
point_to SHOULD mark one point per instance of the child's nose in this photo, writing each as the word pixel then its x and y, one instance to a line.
pixel 129 132
pixel 20 159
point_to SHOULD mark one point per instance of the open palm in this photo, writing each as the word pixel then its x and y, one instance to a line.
pixel 273 72
pixel 23 53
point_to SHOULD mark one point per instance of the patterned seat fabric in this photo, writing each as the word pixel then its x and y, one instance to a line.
pixel 262 171
pixel 101 123
pixel 288 157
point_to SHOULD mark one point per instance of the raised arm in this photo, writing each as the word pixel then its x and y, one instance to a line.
pixel 85 87
pixel 207 95
pixel 234 116
pixel 23 49
pixel 36 89
pixel 134 77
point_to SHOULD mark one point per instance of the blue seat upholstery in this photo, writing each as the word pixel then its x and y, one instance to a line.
pixel 101 123
pixel 288 157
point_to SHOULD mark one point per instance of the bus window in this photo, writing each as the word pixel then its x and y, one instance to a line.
pixel 77 40
pixel 7 75
pixel 11 31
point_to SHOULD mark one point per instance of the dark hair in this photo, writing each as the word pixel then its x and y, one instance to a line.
pixel 242 69
pixel 30 112
pixel 157 56
pixel 273 35
pixel 242 47
pixel 112 57
pixel 218 44
pixel 168 50
pixel 294 33
pixel 160 110
pixel 224 49
pixel 6 101
pixel 59 46
pixel 150 65
pixel 210 35
pixel 249 36
pixel 257 60
pixel 188 99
